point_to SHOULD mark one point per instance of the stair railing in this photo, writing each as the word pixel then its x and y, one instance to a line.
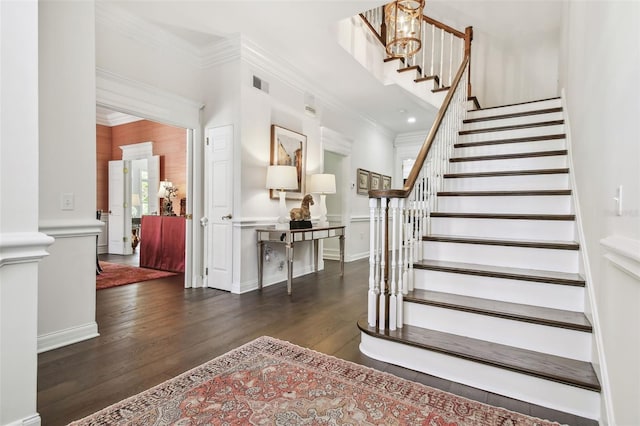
pixel 399 218
pixel 443 48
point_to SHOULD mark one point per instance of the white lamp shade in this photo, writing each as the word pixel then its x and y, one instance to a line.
pixel 282 177
pixel 322 183
pixel 135 199
pixel 162 191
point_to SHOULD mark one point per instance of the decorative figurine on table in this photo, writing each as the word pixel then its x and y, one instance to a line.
pixel 301 216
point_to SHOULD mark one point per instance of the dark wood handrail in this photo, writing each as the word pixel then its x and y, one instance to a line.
pixel 443 27
pixel 426 146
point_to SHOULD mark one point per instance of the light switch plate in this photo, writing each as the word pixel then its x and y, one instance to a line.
pixel 67 201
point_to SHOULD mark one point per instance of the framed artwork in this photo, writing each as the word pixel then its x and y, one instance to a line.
pixel 386 182
pixel 363 181
pixel 375 181
pixel 289 148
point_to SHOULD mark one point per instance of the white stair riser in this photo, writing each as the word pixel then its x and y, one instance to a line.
pixel 551 340
pixel 509 134
pixel 511 164
pixel 542 204
pixel 566 297
pixel 511 148
pixel 546 230
pixel 513 121
pixel 508 183
pixel 531 106
pixel 515 257
pixel 569 399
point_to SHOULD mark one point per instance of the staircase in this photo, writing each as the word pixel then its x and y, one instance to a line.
pixel 498 301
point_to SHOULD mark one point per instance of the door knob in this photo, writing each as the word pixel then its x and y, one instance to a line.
pixel 226 217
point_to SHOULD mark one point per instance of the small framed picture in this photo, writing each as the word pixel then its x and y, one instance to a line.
pixel 386 182
pixel 375 181
pixel 363 181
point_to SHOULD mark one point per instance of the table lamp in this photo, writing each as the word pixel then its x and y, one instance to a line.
pixel 281 178
pixel 323 184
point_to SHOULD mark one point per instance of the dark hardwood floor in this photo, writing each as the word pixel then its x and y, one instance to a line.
pixel 152 331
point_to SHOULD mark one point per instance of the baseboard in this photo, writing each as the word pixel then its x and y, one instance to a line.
pixel 68 336
pixel 32 420
pixel 245 287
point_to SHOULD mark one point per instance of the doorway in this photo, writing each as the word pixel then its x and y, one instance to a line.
pixel 133 156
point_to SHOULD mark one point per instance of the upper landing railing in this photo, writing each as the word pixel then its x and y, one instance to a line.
pixel 443 48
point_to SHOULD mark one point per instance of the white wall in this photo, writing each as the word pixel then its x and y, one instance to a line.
pixel 130 47
pixel 599 67
pixel 232 99
pixel 21 245
pixel 521 70
pixel 67 83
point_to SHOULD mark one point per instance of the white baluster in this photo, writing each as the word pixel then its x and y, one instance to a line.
pixel 383 252
pixel 392 282
pixel 450 58
pixel 371 306
pixel 441 58
pixel 401 291
pixel 433 47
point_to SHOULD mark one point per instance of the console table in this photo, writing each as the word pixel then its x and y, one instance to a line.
pixel 289 237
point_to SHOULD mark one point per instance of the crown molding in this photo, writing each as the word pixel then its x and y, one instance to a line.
pixel 145 32
pixel 220 52
pixel 269 62
pixel 110 118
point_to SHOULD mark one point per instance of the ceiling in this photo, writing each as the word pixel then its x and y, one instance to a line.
pixel 302 33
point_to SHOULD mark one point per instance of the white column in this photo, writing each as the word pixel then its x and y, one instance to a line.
pixel 21 245
pixel 67 134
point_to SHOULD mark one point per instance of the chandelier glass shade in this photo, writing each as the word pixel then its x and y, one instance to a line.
pixel 403 19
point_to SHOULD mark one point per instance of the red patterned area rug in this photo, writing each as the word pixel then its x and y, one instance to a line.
pixel 271 382
pixel 114 274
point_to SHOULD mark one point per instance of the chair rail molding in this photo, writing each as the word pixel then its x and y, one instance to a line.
pixel 623 253
pixel 23 247
pixel 71 228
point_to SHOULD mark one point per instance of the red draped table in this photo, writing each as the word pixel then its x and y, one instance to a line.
pixel 162 243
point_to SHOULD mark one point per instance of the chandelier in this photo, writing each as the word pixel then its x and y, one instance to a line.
pixel 403 19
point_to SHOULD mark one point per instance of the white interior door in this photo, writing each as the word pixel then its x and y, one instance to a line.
pixel 119 207
pixel 219 190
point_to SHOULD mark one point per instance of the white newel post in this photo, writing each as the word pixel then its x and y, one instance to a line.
pixel 393 312
pixel 383 252
pixel 401 263
pixel 372 295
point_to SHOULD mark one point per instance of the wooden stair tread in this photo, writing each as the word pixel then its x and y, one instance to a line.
pixel 513 311
pixel 512 127
pixel 411 68
pixel 510 156
pixel 525 193
pixel 513 216
pixel 507 173
pixel 512 115
pixel 505 272
pixel 553 245
pixel 551 367
pixel 517 103
pixel 441 89
pixel 511 140
pixel 427 78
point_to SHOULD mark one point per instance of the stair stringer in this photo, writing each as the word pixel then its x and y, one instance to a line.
pixel 591 308
pixel 405 80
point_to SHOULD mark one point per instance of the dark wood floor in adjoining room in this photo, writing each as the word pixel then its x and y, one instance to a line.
pixel 155 330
